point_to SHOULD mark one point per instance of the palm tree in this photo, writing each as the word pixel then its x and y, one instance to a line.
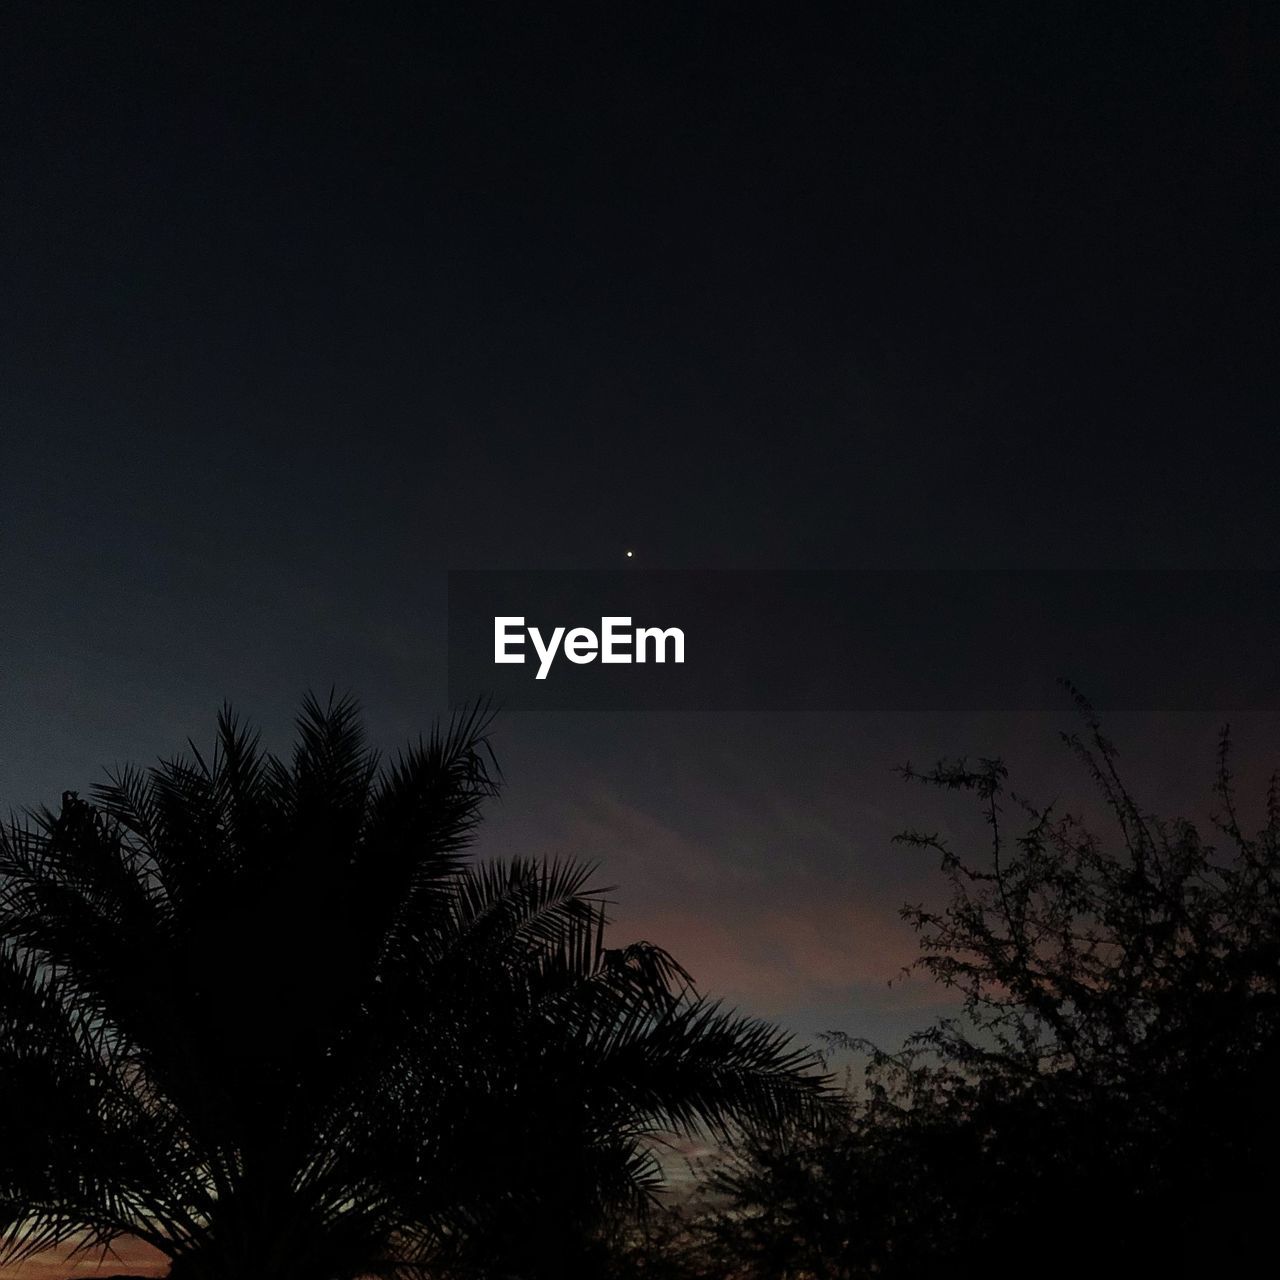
pixel 268 1018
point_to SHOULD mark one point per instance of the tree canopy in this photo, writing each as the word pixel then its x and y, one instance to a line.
pixel 1104 1100
pixel 269 1017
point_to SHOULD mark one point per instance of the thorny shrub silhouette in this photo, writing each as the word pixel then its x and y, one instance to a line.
pixel 1106 1102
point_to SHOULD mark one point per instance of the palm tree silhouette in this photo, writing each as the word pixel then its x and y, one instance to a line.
pixel 268 1018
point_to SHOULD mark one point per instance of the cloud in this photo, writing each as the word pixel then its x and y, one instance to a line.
pixel 785 908
pixel 130 1257
pixel 768 933
pixel 790 951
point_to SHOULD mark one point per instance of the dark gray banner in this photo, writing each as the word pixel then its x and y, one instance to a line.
pixel 980 640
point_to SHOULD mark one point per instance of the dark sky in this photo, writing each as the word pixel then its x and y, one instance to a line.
pixel 304 305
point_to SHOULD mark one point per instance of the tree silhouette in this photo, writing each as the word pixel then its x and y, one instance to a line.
pixel 267 1017
pixel 1104 1103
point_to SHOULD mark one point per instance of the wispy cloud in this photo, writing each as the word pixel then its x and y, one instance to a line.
pixel 130 1257
pixel 763 931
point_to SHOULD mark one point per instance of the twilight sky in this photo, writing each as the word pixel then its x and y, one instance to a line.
pixel 304 307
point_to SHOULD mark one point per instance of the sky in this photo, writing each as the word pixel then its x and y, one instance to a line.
pixel 304 306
